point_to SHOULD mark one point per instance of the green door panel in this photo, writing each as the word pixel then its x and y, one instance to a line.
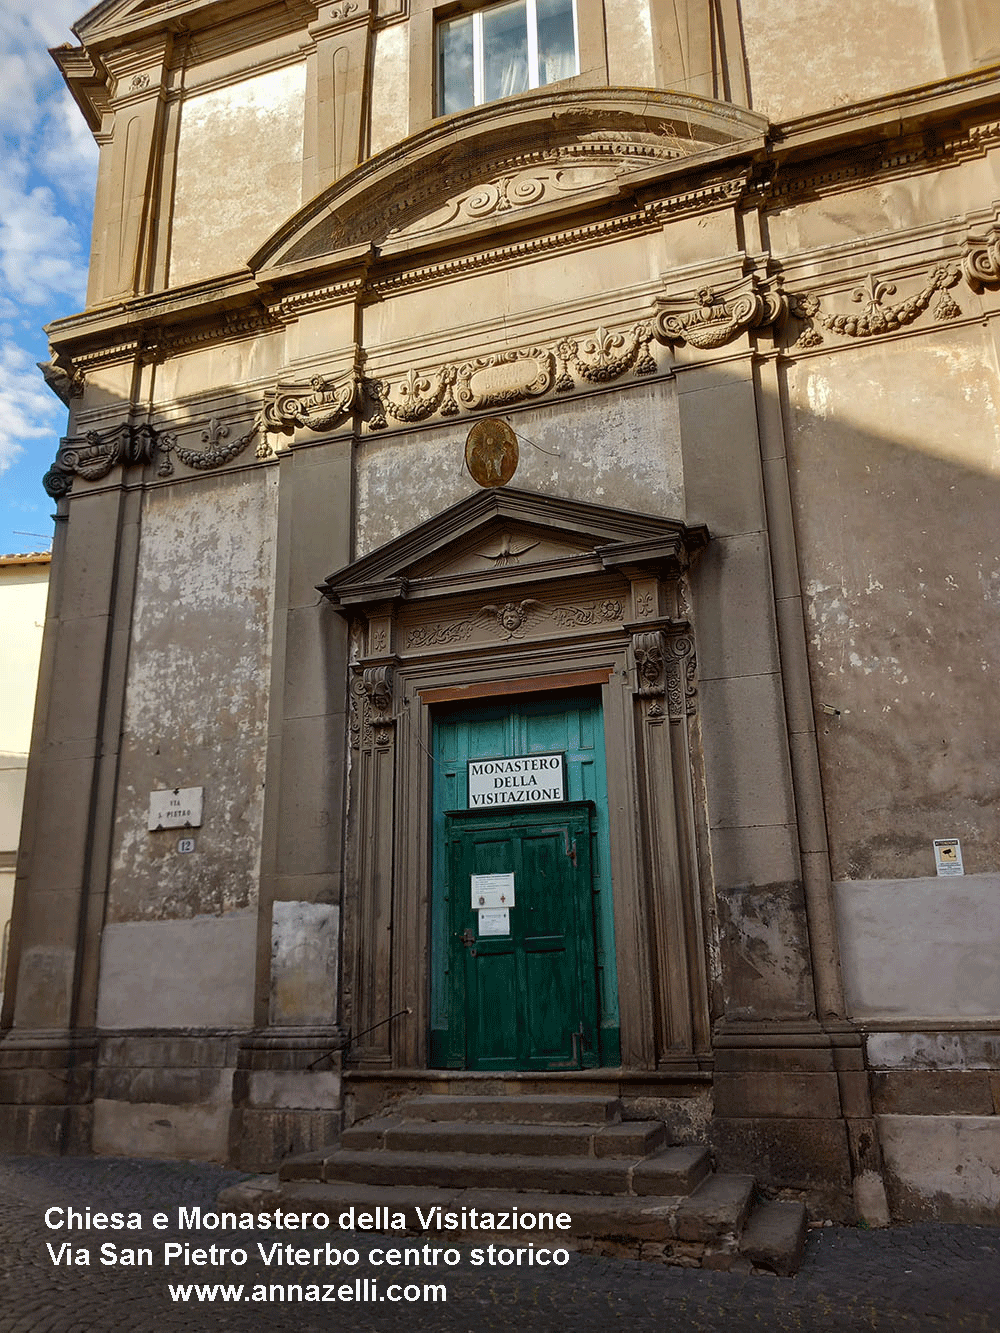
pixel 528 999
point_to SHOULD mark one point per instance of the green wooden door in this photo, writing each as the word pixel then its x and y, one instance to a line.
pixel 527 996
pixel 568 725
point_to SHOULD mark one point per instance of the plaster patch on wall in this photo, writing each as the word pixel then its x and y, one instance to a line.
pixel 304 954
pixel 934 1050
pixel 239 171
pixel 196 697
pixel 920 948
pixel 945 1168
pixel 178 974
pixel 764 946
pixel 842 53
pixel 619 450
pixel 630 55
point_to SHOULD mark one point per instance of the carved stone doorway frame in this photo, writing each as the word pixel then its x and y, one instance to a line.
pixel 598 603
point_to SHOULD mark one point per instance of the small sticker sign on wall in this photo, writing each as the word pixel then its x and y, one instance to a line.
pixel 948 856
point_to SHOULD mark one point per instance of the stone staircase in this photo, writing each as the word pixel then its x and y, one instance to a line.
pixel 629 1193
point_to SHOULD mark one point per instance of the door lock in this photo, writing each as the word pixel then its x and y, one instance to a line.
pixel 468 938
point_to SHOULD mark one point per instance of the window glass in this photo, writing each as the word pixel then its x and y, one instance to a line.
pixel 556 41
pixel 456 67
pixel 505 51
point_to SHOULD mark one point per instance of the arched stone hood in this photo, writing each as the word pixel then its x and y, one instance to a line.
pixel 504 164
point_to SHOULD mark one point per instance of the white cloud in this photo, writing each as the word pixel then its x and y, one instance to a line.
pixel 40 256
pixel 26 31
pixel 49 161
pixel 68 153
pixel 28 409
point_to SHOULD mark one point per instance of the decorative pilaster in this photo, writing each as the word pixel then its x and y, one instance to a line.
pixel 663 654
pixel 368 952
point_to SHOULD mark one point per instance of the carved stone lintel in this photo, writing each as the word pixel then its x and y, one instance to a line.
pixel 981 261
pixel 718 319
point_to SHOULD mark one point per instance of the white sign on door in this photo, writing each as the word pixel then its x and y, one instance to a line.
pixel 494 922
pixel 529 779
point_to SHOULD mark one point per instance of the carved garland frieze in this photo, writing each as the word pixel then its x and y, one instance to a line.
pixel 878 316
pixel 605 357
pixel 93 456
pixel 217 454
pixel 512 620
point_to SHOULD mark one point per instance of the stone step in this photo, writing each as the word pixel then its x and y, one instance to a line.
pixel 656 1228
pixel 671 1171
pixel 775 1237
pixel 718 1207
pixel 632 1139
pixel 543 1109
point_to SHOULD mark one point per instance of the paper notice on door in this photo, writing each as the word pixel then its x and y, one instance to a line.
pixel 494 921
pixel 492 891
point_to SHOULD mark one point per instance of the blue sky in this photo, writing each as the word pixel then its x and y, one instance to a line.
pixel 46 198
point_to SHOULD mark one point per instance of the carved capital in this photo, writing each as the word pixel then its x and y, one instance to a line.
pixel 377 686
pixel 981 261
pixel 320 405
pixel 713 319
pixel 682 686
pixel 649 651
pixel 96 453
pixel 665 670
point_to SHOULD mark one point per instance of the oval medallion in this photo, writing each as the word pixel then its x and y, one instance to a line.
pixel 491 452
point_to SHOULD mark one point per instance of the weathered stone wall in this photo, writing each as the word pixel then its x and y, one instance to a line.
pixel 238 173
pixel 195 716
pixel 895 449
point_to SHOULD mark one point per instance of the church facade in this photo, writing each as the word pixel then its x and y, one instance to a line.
pixel 524 605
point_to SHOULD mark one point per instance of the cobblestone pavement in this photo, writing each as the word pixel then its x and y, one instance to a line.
pixel 921 1277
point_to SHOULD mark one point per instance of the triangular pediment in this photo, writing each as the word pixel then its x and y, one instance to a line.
pixel 530 157
pixel 121 18
pixel 510 536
